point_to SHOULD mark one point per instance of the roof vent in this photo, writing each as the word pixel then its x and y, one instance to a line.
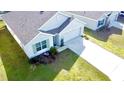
pixel 41 12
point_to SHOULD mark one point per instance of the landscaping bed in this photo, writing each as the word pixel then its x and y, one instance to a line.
pixel 45 58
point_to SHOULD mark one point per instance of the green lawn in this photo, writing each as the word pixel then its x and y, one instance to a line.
pixel 3 75
pixel 1 24
pixel 14 64
pixel 114 42
pixel 81 70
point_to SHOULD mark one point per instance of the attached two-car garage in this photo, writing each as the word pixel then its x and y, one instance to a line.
pixel 71 34
pixel 73 30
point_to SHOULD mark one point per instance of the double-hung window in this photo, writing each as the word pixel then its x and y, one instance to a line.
pixel 40 45
pixel 100 23
pixel 44 44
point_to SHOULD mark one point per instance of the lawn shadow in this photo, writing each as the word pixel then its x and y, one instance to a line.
pixel 103 34
pixel 70 58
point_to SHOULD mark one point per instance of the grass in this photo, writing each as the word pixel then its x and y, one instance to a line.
pixel 3 75
pixel 1 24
pixel 15 66
pixel 81 70
pixel 114 43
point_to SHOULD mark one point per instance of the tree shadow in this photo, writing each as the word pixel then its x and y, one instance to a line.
pixel 103 34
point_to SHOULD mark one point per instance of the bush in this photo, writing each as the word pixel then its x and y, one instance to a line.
pixel 62 42
pixel 53 51
pixel 33 60
pixel 38 60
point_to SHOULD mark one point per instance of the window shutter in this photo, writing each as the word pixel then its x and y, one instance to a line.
pixel 34 48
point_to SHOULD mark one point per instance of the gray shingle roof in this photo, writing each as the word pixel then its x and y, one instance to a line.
pixel 60 28
pixel 90 14
pixel 25 24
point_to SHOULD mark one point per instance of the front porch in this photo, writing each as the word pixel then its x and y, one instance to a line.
pixel 60 49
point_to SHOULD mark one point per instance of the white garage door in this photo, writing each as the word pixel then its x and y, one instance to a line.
pixel 71 34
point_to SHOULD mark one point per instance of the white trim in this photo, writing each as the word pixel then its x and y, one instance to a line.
pixel 41 45
pixel 14 35
pixel 80 21
pixel 58 13
pixel 75 19
pixel 81 16
pixel 47 21
pixel 64 14
pixel 71 30
pixel 38 35
pixel 47 34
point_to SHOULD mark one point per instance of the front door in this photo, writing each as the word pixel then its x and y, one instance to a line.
pixel 55 40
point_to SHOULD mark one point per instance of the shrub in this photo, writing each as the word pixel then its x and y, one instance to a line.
pixel 33 60
pixel 53 51
pixel 38 60
pixel 62 42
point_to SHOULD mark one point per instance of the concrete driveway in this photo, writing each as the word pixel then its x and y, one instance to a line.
pixel 108 63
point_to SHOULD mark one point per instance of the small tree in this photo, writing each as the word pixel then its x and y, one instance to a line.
pixel 53 51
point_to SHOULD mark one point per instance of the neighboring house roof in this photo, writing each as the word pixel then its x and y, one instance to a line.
pixel 25 24
pixel 90 14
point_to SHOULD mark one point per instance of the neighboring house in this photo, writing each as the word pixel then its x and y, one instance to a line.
pixel 119 23
pixel 37 31
pixel 121 13
pixel 95 19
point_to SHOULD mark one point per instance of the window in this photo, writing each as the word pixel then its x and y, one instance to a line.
pixel 44 44
pixel 100 23
pixel 38 46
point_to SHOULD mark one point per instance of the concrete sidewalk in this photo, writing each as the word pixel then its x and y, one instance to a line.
pixel 108 63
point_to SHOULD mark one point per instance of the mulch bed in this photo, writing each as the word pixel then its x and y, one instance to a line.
pixel 45 58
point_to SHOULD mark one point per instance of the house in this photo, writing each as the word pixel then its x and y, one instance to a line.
pixel 37 31
pixel 95 19
pixel 119 23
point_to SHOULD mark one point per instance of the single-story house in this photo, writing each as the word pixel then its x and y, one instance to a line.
pixel 119 23
pixel 95 19
pixel 37 31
